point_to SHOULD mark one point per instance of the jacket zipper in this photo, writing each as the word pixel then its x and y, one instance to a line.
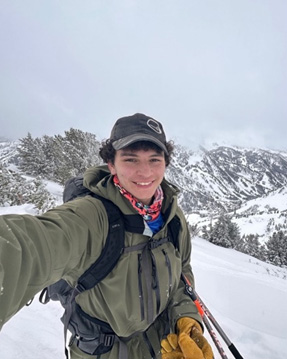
pixel 140 287
pixel 167 262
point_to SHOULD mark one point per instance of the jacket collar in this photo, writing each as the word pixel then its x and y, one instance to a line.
pixel 99 180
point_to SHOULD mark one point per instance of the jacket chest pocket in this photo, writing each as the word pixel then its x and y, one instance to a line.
pixel 159 270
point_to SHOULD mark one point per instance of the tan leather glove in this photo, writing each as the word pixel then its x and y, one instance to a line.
pixel 170 348
pixel 188 344
pixel 191 341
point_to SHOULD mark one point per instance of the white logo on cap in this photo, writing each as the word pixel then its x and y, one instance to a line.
pixel 154 125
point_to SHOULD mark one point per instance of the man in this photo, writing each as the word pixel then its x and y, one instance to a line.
pixel 141 302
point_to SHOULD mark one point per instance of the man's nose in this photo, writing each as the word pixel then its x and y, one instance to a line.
pixel 145 169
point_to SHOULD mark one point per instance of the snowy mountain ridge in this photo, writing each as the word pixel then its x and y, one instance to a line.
pixel 224 178
pixel 249 184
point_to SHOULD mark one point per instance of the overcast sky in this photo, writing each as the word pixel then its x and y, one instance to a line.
pixel 209 70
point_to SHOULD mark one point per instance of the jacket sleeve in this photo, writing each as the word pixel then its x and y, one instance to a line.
pixel 38 251
pixel 181 304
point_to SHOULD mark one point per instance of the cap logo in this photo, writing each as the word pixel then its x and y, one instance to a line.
pixel 154 125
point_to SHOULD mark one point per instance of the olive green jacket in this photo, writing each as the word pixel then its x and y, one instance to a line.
pixel 36 251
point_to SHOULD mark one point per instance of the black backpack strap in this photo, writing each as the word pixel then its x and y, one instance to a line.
pixel 111 252
pixel 107 260
pixel 173 230
pixel 74 188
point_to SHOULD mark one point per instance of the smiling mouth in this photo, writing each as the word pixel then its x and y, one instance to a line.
pixel 143 183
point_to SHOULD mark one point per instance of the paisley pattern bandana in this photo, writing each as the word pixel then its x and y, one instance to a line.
pixel 148 212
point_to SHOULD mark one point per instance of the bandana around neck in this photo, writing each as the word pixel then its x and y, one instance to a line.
pixel 148 212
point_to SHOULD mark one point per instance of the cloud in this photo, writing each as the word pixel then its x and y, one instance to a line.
pixel 213 69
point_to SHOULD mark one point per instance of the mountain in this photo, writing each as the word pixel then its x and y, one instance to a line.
pixel 224 178
pixel 249 184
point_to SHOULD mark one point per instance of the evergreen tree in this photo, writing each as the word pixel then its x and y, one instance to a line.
pixel 220 232
pixel 50 157
pixel 234 233
pixel 64 166
pixel 10 187
pixel 32 156
pixel 16 190
pixel 205 232
pixel 193 230
pixel 59 157
pixel 40 196
pixel 277 249
pixel 239 245
pixel 252 245
pixel 225 233
pixel 75 152
pixel 27 150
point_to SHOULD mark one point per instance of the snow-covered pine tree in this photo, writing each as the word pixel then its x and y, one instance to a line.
pixel 234 233
pixel 10 187
pixel 16 190
pixel 50 157
pixel 252 245
pixel 31 155
pixel 277 249
pixel 220 232
pixel 26 150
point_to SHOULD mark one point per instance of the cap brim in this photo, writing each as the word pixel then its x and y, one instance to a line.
pixel 126 141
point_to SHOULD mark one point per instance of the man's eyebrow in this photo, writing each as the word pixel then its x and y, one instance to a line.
pixel 134 154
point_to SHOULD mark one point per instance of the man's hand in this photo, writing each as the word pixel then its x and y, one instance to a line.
pixel 170 348
pixel 188 344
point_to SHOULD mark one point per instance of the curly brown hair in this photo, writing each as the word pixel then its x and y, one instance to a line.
pixel 107 151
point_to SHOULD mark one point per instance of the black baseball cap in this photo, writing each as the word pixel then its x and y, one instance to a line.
pixel 138 127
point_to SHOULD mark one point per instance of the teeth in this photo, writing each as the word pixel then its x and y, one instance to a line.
pixel 143 183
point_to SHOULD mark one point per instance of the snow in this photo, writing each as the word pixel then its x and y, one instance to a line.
pixel 56 189
pixel 254 216
pixel 276 199
pixel 246 296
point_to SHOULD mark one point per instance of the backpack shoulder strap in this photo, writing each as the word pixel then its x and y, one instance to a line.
pixel 111 252
pixel 74 188
pixel 173 229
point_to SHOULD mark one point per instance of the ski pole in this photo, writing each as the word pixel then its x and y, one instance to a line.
pixel 205 319
pixel 214 337
pixel 230 345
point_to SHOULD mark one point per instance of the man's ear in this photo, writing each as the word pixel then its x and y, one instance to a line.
pixel 112 168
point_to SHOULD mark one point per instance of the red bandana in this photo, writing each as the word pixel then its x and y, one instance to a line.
pixel 149 213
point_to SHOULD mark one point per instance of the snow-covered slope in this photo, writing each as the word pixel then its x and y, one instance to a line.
pixel 247 297
pixel 260 216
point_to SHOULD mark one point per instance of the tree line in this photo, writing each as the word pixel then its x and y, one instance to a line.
pixel 225 233
pixel 55 158
pixel 58 157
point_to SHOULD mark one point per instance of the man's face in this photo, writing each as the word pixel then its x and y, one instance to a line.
pixel 139 172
